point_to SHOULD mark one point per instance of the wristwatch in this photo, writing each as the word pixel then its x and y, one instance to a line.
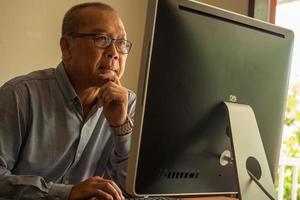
pixel 125 128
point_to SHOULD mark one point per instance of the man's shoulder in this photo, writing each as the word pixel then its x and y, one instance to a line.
pixel 33 77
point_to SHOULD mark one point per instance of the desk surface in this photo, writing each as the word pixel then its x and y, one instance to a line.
pixel 211 198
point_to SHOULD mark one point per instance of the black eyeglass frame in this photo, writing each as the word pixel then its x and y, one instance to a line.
pixel 94 36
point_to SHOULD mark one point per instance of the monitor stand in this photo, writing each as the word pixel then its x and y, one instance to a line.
pixel 252 169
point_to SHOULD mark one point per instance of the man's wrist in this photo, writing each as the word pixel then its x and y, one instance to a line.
pixel 125 128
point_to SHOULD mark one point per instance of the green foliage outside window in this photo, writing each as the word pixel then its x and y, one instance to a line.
pixel 291 140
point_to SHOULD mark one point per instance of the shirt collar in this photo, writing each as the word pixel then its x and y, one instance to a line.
pixel 65 84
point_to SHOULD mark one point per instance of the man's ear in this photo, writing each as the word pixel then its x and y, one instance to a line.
pixel 65 48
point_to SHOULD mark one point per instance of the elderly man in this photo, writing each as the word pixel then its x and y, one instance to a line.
pixel 65 132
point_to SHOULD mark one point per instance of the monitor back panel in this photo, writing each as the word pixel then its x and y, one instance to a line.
pixel 200 56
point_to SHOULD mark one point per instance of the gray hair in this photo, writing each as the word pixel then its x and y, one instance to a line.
pixel 72 20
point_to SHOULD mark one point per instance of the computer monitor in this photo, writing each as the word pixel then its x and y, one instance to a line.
pixel 195 57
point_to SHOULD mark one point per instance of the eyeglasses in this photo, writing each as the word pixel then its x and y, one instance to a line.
pixel 103 41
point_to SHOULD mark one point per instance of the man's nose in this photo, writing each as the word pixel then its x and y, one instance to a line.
pixel 111 51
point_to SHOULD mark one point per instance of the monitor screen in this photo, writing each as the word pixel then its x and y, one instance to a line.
pixel 195 57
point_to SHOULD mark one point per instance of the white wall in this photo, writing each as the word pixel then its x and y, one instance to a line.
pixel 30 32
pixel 239 6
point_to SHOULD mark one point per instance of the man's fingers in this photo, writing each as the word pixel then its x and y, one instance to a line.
pixel 96 188
pixel 100 194
pixel 117 81
pixel 110 77
pixel 114 100
pixel 118 189
pixel 93 198
pixel 108 86
pixel 110 95
pixel 114 93
pixel 108 189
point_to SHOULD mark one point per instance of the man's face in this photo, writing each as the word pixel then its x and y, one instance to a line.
pixel 88 64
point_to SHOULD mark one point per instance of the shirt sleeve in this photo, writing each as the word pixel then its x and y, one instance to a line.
pixel 119 156
pixel 14 109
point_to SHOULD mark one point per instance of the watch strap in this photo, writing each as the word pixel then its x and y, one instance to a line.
pixel 125 128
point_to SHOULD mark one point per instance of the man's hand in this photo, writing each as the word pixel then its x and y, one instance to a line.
pixel 96 188
pixel 114 98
